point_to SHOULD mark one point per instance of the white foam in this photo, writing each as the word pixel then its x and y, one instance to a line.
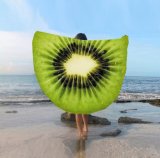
pixel 138 96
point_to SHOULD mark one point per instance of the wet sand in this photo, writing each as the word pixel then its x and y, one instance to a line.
pixel 37 132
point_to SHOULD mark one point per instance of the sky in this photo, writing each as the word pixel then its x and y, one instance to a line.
pixel 99 19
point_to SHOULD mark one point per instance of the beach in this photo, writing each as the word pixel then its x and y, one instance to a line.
pixel 37 132
pixel 31 126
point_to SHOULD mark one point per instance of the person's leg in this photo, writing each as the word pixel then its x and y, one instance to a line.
pixel 79 123
pixel 85 120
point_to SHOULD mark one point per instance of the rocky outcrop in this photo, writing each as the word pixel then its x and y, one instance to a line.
pixel 129 120
pixel 112 133
pixel 11 111
pixel 68 117
pixel 155 102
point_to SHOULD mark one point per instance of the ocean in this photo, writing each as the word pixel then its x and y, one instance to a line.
pixel 22 93
pixel 25 88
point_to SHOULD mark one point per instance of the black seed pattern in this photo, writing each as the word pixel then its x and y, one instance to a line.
pixel 75 81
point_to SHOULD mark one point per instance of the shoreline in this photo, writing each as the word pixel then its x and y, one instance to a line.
pixel 153 99
pixel 154 102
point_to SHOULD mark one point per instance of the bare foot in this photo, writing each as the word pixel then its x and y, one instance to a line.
pixel 85 133
pixel 85 129
pixel 80 134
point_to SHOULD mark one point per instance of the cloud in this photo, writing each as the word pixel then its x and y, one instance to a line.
pixel 15 53
pixel 16 46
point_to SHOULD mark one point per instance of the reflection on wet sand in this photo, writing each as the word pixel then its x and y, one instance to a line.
pixel 80 148
pixel 75 147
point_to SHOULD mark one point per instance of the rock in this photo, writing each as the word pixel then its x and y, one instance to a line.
pixel 111 133
pixel 126 110
pixel 128 120
pixel 123 111
pixel 68 117
pixel 11 111
pixel 123 101
pixel 98 120
pixel 155 102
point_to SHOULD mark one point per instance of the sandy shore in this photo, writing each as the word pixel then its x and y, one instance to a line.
pixel 37 132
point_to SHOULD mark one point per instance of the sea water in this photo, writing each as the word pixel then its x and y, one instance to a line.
pixel 25 88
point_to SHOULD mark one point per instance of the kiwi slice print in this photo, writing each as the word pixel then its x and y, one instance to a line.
pixel 79 76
